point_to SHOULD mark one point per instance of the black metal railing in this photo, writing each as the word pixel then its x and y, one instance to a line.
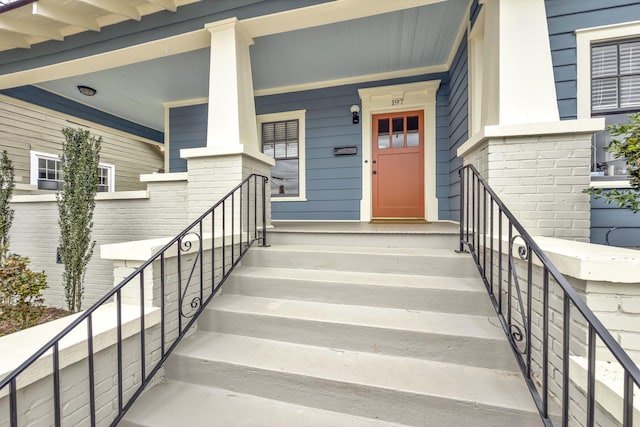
pixel 151 310
pixel 559 343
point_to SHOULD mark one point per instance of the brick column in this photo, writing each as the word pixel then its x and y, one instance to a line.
pixel 213 173
pixel 540 178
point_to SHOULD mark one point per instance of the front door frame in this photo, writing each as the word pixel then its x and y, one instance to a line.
pixel 397 98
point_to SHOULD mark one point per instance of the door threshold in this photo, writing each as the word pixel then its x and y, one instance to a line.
pixel 398 221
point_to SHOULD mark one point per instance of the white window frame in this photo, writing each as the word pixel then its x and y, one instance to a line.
pixel 36 155
pixel 585 37
pixel 302 156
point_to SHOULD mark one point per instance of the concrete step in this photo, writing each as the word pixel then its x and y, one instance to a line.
pixel 454 338
pixel 175 403
pixel 466 295
pixel 438 234
pixel 419 261
pixel 437 240
pixel 396 389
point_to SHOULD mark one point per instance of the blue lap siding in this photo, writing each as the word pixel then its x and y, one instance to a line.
pixel 564 17
pixel 458 124
pixel 188 129
pixel 604 217
pixel 334 184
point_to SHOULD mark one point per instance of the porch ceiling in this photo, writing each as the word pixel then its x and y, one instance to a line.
pixel 404 42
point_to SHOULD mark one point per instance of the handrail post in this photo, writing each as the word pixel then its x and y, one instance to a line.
pixel 264 211
pixel 461 175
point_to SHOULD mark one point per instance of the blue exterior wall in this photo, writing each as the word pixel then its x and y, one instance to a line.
pixel 458 122
pixel 563 18
pixel 187 129
pixel 334 184
pixel 604 217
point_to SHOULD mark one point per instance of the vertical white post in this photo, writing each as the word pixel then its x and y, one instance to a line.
pixel 232 116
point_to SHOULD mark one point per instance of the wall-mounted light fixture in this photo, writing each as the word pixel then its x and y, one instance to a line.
pixel 355 114
pixel 86 90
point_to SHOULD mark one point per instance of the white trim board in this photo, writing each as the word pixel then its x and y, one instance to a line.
pixel 415 96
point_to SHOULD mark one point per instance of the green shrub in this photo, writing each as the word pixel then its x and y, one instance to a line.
pixel 76 202
pixel 20 291
pixel 6 191
pixel 624 145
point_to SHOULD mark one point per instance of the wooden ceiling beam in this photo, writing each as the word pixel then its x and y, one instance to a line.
pixel 169 5
pixel 65 16
pixel 14 40
pixel 21 27
pixel 115 6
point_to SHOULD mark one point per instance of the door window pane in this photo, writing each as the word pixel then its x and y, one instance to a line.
pixel 413 132
pixel 383 133
pixel 397 139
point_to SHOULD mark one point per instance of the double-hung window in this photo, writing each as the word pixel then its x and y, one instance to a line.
pixel 615 92
pixel 46 173
pixel 615 76
pixel 282 138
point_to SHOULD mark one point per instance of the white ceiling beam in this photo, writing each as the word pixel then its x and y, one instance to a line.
pixel 169 5
pixel 64 16
pixel 115 6
pixel 29 29
pixel 14 40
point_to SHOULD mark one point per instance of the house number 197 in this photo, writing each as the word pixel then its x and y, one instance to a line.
pixel 397 101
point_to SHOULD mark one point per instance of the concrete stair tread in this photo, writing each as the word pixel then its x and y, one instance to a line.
pixel 462 284
pixel 175 403
pixel 481 327
pixel 477 386
pixel 396 251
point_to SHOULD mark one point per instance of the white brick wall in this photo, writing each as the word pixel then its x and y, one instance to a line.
pixel 540 179
pixel 617 306
pixel 35 232
pixel 35 386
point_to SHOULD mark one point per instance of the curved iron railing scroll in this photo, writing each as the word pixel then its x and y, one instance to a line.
pixel 549 326
pixel 167 292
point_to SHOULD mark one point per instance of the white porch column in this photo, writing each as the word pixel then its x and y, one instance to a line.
pixel 232 115
pixel 536 163
pixel 518 77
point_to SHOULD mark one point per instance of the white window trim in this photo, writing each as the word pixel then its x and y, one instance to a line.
pixel 302 155
pixel 585 37
pixel 33 175
pixel 111 168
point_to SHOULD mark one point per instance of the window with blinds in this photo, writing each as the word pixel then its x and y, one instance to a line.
pixel 615 76
pixel 280 140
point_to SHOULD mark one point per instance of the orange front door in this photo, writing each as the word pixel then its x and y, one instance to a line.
pixel 398 165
